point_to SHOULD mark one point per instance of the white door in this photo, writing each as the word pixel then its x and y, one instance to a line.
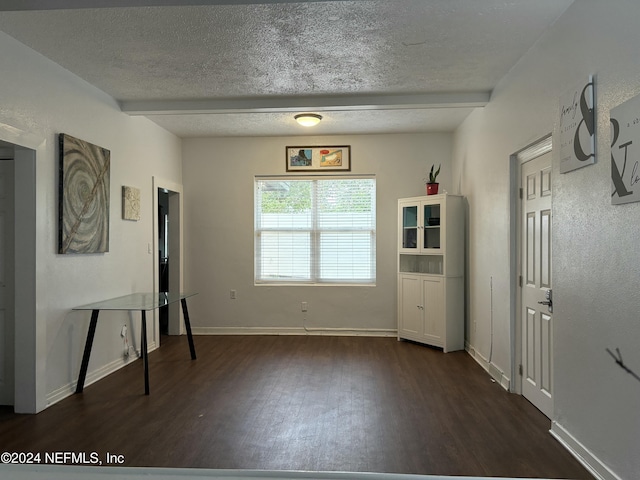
pixel 7 323
pixel 536 316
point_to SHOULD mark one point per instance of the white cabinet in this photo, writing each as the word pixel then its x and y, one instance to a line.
pixel 430 271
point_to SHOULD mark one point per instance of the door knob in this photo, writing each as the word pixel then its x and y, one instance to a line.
pixel 549 301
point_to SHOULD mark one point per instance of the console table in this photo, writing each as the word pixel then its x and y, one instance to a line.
pixel 134 302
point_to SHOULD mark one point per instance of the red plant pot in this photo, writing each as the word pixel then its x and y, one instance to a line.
pixel 432 188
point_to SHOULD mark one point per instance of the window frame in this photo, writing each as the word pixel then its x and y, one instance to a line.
pixel 314 234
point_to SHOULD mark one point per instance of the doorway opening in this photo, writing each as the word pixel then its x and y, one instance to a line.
pixel 167 271
pixel 20 367
pixel 7 276
pixel 163 256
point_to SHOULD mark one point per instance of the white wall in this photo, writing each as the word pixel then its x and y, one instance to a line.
pixel 218 182
pixel 596 259
pixel 596 272
pixel 39 100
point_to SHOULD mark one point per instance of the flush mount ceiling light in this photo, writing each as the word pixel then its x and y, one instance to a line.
pixel 308 119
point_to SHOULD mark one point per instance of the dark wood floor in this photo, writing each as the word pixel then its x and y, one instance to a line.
pixel 302 403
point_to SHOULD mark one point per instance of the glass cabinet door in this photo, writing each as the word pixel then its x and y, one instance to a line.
pixel 410 226
pixel 431 218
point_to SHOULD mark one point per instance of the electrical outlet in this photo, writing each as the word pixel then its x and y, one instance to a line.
pixel 304 306
pixel 232 294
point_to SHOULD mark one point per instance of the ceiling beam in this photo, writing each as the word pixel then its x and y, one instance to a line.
pixel 316 104
pixel 25 5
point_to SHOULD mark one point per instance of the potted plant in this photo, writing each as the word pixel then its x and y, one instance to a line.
pixel 432 183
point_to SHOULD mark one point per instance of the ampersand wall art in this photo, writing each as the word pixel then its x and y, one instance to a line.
pixel 577 127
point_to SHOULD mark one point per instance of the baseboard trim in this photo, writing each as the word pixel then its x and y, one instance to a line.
pixel 492 369
pixel 92 377
pixel 335 332
pixel 69 389
pixel 587 459
pixel 581 453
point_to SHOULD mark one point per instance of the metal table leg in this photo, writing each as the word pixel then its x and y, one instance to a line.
pixel 187 324
pixel 145 352
pixel 87 351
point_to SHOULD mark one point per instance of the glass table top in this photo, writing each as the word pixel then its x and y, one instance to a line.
pixel 137 301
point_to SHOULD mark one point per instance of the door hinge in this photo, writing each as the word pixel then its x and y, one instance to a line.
pixel 520 369
pixel 520 281
pixel 521 193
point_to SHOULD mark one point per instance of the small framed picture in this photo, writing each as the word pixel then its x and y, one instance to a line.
pixel 130 203
pixel 318 159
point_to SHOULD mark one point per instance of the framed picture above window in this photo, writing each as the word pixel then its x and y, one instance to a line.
pixel 318 159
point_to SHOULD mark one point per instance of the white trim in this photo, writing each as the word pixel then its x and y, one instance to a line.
pixel 491 368
pixel 534 150
pixel 309 266
pixel 336 332
pixel 92 377
pixel 315 176
pixel 30 358
pixel 588 460
pixel 317 103
pixel 30 332
pixel 176 324
pixel 11 134
pixel 311 284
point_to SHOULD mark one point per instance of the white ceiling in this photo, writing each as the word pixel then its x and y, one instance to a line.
pixel 222 68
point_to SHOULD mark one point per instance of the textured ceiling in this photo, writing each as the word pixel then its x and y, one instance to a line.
pixel 368 66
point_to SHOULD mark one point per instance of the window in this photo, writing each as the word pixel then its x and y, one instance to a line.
pixel 315 230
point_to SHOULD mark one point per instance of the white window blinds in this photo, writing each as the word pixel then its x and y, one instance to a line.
pixel 315 230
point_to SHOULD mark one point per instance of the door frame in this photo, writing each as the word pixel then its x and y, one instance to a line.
pixel 176 255
pixel 30 334
pixel 7 346
pixel 533 150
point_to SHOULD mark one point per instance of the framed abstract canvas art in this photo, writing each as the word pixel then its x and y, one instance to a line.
pixel 83 223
